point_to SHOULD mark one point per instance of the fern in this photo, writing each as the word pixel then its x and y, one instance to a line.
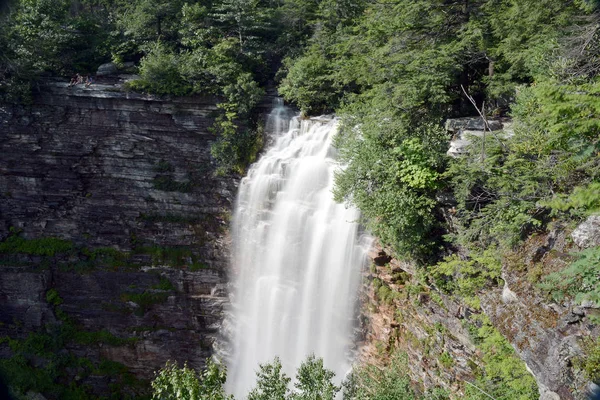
pixel 579 280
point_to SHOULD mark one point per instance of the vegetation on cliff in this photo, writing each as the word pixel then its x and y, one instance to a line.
pixel 393 71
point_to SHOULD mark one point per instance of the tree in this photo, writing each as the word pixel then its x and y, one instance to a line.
pixel 174 383
pixel 314 381
pixel 271 383
pixel 149 20
pixel 244 19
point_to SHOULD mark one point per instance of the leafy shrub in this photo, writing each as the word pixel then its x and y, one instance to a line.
pixel 584 200
pixel 314 381
pixel 173 383
pixel 271 382
pixel 374 383
pixel 236 147
pixel 590 363
pixel 309 83
pixel 550 166
pixel 446 360
pixel 505 375
pixel 164 284
pixel 392 176
pixel 160 74
pixel 579 280
pixel 53 298
pixel 467 277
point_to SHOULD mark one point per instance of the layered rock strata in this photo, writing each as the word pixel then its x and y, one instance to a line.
pixel 127 180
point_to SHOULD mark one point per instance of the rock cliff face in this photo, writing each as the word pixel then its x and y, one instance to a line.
pixel 106 168
pixel 438 331
pixel 126 181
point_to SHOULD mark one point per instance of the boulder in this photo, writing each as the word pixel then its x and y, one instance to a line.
pixel 463 129
pixel 107 69
pixel 587 234
pixel 112 68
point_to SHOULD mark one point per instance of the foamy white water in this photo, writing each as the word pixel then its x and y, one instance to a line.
pixel 296 257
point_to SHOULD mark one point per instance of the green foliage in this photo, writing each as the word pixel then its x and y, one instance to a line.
pixel 41 363
pixel 271 383
pixel 41 36
pixel 394 70
pixel 446 360
pixel 173 383
pixel 547 169
pixel 236 147
pixel 53 298
pixel 392 177
pixel 309 83
pixel 505 375
pixel 159 73
pixel 579 280
pixel 584 200
pixel 164 284
pixel 244 19
pixel 48 246
pixel 373 383
pixel 314 381
pixel 590 363
pixel 147 20
pixel 467 277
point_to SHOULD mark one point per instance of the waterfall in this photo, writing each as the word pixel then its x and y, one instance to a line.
pixel 296 256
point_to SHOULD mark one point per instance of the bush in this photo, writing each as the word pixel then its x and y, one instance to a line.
pixel 590 363
pixel 173 383
pixel 374 383
pixel 579 280
pixel 160 73
pixel 505 375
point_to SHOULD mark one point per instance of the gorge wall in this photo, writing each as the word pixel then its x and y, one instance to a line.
pixel 452 341
pixel 113 225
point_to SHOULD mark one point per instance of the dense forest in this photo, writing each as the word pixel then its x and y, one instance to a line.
pixel 393 71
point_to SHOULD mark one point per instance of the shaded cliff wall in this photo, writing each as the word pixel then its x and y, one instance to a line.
pixel 126 181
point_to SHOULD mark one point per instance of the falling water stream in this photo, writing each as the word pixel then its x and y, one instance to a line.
pixel 296 256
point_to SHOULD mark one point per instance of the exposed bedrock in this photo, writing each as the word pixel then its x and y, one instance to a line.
pixel 131 175
pixel 433 328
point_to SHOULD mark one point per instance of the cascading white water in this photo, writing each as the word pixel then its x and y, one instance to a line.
pixel 296 254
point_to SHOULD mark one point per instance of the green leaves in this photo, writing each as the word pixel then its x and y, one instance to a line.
pixel 579 280
pixel 374 383
pixel 160 73
pixel 174 383
pixel 504 375
pixel 314 381
pixel 271 382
